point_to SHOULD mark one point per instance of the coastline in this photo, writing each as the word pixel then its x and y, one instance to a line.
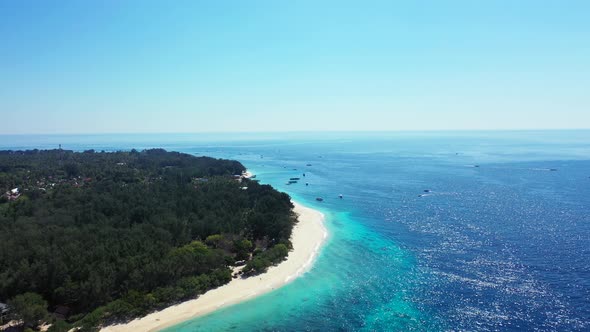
pixel 308 235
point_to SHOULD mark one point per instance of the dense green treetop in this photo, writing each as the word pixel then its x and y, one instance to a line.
pixel 29 308
pixel 116 235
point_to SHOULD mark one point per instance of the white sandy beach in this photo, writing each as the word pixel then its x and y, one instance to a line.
pixel 308 235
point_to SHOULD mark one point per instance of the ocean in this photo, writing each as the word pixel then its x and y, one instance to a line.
pixel 435 231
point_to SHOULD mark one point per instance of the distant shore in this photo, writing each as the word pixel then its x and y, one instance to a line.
pixel 308 236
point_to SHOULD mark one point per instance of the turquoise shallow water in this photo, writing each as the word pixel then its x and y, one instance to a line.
pixel 502 246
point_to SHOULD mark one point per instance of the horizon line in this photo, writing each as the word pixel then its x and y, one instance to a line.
pixel 296 132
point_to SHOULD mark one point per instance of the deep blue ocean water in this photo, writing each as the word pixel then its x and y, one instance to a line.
pixel 501 242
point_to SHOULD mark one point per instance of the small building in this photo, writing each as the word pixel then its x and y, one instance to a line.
pixel 3 312
pixel 61 312
pixel 12 194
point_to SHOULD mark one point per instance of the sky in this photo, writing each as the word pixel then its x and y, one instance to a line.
pixel 112 66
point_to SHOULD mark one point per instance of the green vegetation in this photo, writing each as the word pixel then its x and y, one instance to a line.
pixel 112 236
pixel 29 308
pixel 261 261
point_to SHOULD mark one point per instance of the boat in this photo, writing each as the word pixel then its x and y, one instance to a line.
pixel 295 179
pixel 340 196
pixel 307 183
pixel 319 199
pixel 292 181
pixel 426 190
pixel 308 164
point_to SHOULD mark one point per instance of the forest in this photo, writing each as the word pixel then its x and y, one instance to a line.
pixel 102 237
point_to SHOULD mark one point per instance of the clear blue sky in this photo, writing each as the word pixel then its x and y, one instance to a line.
pixel 191 66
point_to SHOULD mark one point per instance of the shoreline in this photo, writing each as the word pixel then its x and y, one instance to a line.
pixel 308 236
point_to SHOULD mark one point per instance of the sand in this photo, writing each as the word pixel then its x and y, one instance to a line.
pixel 308 235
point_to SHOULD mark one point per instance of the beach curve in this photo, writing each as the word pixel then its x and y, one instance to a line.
pixel 307 238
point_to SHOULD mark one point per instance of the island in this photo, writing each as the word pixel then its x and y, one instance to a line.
pixel 93 239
